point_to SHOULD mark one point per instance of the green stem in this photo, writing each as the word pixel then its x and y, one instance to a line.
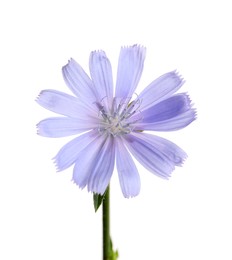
pixel 106 225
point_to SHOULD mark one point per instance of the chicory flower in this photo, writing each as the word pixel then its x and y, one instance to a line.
pixel 111 125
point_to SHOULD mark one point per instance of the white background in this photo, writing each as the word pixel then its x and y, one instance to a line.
pixel 43 214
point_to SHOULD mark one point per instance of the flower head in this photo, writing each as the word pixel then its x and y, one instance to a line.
pixel 113 125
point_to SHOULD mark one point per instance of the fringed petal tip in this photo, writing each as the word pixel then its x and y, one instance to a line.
pixel 130 196
pixel 195 114
pixel 39 131
pixel 81 187
pixel 98 52
pixel 54 160
pixel 95 191
pixel 97 55
pixel 90 188
pixel 179 161
pixel 138 47
pixel 63 69
pixel 177 74
pixel 188 101
pixel 46 95
pixel 71 62
pixel 191 108
pixel 59 165
pixel 37 99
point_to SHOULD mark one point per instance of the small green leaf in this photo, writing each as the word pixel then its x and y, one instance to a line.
pixel 113 254
pixel 97 200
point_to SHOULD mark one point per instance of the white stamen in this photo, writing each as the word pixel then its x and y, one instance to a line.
pixel 116 121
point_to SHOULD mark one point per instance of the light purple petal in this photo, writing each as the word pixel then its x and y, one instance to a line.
pixel 64 126
pixel 172 124
pixel 102 167
pixel 166 109
pixel 160 89
pixel 101 74
pixel 149 155
pixel 94 165
pixel 127 172
pixel 170 114
pixel 130 68
pixel 79 82
pixel 64 104
pixel 173 153
pixel 68 153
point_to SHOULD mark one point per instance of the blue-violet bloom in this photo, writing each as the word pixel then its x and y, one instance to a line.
pixel 113 124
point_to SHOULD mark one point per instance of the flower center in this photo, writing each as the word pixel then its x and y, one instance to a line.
pixel 118 120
